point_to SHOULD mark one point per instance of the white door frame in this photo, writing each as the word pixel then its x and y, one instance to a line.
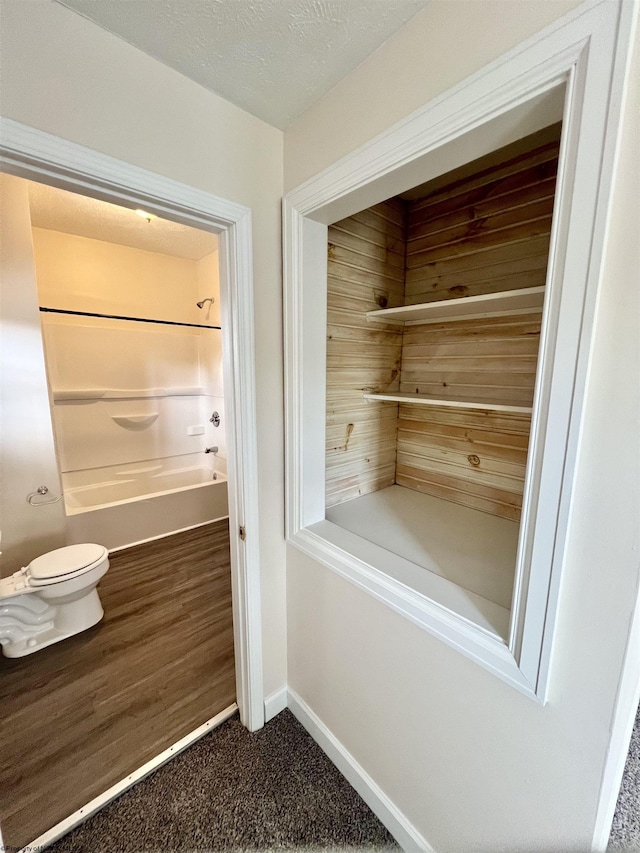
pixel 39 156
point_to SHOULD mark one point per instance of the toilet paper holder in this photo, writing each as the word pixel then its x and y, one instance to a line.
pixel 39 492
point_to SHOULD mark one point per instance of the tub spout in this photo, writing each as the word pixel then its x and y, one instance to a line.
pixel 211 449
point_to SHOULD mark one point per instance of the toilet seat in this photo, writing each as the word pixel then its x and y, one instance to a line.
pixel 52 598
pixel 64 563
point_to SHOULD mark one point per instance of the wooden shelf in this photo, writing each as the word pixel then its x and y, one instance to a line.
pixel 507 303
pixel 427 400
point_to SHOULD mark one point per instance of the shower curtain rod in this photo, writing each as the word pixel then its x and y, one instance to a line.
pixel 133 319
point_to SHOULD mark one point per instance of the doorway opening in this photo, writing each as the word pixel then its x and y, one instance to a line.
pixel 72 168
pixel 130 312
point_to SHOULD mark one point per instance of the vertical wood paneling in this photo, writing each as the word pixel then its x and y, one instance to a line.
pixel 365 272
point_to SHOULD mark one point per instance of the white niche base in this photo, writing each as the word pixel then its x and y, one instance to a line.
pixel 472 550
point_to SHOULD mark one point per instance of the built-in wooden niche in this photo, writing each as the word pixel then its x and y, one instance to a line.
pixel 434 314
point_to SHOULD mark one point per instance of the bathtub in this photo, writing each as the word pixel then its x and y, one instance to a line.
pixel 119 508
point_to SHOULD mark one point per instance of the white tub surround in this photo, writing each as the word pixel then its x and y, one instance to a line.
pixel 122 505
pixel 131 485
pixel 132 408
pixel 130 522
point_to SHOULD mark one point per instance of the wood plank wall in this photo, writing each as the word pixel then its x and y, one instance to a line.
pixel 482 232
pixel 487 360
pixel 480 229
pixel 473 458
pixel 365 272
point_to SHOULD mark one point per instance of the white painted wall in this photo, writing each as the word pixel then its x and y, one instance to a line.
pixel 474 765
pixel 83 274
pixel 208 284
pixel 27 454
pixel 440 47
pixel 64 75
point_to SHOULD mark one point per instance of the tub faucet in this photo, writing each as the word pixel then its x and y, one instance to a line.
pixel 211 449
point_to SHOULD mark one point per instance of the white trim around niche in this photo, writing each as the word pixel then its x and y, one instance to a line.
pixel 39 156
pixel 586 53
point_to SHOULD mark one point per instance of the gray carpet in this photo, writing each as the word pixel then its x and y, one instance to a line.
pixel 625 832
pixel 232 790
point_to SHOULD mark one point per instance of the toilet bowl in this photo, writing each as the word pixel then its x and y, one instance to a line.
pixel 52 598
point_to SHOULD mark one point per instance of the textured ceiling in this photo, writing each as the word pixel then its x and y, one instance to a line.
pixel 58 210
pixel 273 58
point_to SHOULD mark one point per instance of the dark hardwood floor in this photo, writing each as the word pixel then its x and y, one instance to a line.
pixel 80 715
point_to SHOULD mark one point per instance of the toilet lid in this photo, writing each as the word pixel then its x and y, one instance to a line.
pixel 65 561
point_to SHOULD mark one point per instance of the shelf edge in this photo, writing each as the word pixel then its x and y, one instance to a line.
pixel 459 308
pixel 455 404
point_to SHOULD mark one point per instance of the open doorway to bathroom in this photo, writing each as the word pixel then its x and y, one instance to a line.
pixel 134 375
pixel 130 312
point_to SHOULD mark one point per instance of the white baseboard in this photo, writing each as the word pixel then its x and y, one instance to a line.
pixel 387 812
pixel 274 703
pixel 47 838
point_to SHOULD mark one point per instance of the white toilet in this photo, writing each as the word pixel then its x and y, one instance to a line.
pixel 52 598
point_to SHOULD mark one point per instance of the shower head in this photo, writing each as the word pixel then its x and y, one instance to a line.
pixel 208 299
